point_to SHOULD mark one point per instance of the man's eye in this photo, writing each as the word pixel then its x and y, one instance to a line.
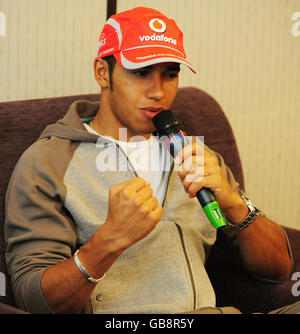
pixel 171 75
pixel 141 73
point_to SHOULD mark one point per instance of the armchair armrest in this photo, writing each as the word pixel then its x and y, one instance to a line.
pixel 234 287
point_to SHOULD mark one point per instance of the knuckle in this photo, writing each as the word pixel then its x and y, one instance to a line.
pixel 140 179
pixel 125 193
pixel 111 191
pixel 144 209
pixel 214 161
pixel 195 160
pixel 219 178
pixel 155 199
pixel 199 173
pixel 148 191
pixel 189 161
pixel 198 178
pixel 188 179
pixel 137 201
pixel 153 203
pixel 154 217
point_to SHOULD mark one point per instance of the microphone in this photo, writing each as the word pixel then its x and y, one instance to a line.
pixel 174 139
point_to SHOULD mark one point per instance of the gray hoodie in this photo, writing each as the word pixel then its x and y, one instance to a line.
pixel 56 201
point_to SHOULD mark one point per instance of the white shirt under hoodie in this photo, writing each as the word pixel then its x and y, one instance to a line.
pixel 148 157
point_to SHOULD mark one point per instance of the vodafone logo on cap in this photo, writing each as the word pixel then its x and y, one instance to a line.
pixel 157 25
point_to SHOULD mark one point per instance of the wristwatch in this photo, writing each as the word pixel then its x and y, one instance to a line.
pixel 254 212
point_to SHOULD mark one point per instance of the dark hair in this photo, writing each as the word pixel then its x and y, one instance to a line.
pixel 111 61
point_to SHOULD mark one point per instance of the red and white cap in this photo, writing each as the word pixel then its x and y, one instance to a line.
pixel 142 37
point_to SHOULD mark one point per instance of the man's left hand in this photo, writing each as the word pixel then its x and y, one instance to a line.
pixel 197 168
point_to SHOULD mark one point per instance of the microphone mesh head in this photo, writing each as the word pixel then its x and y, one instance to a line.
pixel 164 120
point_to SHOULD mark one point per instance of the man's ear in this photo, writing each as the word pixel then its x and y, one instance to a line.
pixel 101 72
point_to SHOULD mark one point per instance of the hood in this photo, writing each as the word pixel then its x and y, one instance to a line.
pixel 71 125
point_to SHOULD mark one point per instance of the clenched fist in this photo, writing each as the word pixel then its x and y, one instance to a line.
pixel 133 212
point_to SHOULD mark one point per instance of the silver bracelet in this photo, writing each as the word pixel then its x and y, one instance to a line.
pixel 84 272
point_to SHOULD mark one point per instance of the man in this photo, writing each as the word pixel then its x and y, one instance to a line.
pixel 124 240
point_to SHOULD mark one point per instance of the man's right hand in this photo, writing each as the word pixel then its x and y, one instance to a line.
pixel 133 213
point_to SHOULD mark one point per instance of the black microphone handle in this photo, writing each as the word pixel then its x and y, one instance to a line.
pixel 205 196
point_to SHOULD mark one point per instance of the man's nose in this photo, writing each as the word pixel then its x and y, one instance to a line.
pixel 155 90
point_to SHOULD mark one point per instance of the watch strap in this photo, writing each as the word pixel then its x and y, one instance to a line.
pixel 254 212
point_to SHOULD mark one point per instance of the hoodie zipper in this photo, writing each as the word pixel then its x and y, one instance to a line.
pixel 177 226
pixel 183 247
pixel 188 265
pixel 128 161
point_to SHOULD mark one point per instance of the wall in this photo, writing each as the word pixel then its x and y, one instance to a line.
pixel 49 47
pixel 245 53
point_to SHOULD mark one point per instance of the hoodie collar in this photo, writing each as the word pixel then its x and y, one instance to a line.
pixel 71 125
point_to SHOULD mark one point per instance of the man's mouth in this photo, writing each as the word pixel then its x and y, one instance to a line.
pixel 150 112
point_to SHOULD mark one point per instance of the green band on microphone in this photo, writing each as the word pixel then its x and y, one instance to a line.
pixel 214 214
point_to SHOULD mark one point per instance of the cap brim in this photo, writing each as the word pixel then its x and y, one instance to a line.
pixel 140 57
